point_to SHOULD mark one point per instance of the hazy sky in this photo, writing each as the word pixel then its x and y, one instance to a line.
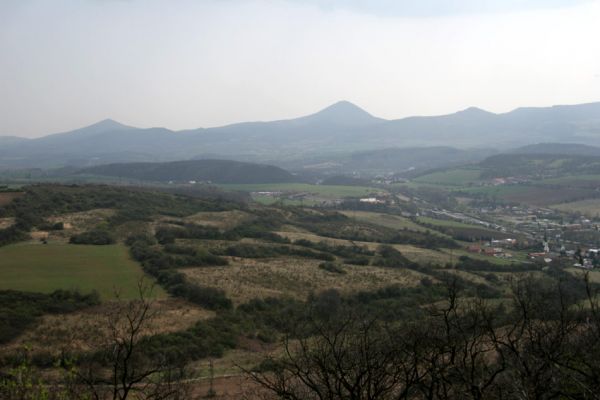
pixel 188 64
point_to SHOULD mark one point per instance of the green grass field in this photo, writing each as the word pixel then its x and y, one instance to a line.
pixel 572 180
pixel 543 195
pixel 45 268
pixel 589 207
pixel 327 191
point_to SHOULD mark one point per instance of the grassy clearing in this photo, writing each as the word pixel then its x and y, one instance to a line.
pixel 326 191
pixel 44 268
pixel 448 223
pixel 6 222
pixel 589 207
pixel 84 220
pixel 223 220
pixel 452 177
pixel 413 253
pixel 269 200
pixel 246 279
pixel 386 220
pixel 84 329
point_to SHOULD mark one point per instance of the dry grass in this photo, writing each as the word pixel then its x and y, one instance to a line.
pixel 223 220
pixel 232 387
pixel 385 220
pixel 245 279
pixel 6 222
pixel 84 329
pixel 413 253
pixel 79 222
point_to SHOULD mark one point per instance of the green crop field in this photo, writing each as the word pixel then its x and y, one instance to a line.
pixel 45 268
pixel 589 207
pixel 573 181
pixel 542 195
pixel 328 191
pixel 452 177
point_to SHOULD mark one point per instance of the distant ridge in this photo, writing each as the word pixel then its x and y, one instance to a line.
pixel 215 171
pixel 341 128
pixel 558 148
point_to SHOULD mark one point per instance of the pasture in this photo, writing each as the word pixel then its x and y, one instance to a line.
pixel 43 268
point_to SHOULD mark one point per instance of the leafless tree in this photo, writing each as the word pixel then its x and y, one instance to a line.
pixel 123 368
pixel 545 345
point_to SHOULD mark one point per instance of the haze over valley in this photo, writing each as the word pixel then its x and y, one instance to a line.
pixel 299 200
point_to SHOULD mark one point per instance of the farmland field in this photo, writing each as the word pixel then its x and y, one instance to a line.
pixel 45 268
pixel 541 195
pixel 453 177
pixel 386 220
pixel 574 181
pixel 328 191
pixel 446 223
pixel 589 207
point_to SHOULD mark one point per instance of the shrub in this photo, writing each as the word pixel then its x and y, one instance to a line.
pixel 332 267
pixel 96 237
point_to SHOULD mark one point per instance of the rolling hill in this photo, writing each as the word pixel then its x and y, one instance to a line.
pixel 215 171
pixel 558 148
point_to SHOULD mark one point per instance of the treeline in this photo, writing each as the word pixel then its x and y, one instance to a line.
pixel 356 255
pixel 94 236
pixel 162 266
pixel 132 204
pixel 466 234
pixel 19 310
pixel 339 226
pixel 247 250
pixel 257 230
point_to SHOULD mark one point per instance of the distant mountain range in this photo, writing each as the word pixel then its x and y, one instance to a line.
pixel 340 129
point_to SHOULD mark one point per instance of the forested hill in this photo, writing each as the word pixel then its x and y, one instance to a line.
pixel 539 165
pixel 216 171
pixel 573 149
